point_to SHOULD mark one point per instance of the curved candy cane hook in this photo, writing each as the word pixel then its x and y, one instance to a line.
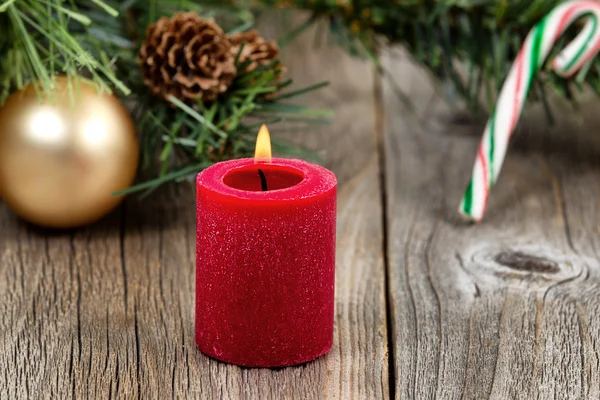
pixel 510 103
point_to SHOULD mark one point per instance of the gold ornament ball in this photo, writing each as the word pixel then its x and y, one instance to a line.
pixel 62 157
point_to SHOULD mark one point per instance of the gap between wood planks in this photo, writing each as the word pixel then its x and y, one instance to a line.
pixel 380 143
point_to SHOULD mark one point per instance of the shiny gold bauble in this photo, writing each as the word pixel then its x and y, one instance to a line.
pixel 61 159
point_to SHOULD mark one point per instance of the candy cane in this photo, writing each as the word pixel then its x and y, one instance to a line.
pixel 529 61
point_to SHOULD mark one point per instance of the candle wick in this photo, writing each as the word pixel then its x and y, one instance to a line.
pixel 263 180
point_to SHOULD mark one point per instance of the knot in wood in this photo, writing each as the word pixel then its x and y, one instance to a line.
pixel 522 267
pixel 520 261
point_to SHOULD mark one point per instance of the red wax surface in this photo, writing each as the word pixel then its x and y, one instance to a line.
pixel 265 262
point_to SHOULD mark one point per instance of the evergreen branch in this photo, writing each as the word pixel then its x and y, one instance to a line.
pixel 4 6
pixel 194 114
pixel 37 41
pixel 443 36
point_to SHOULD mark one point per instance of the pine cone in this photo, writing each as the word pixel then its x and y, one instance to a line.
pixel 188 57
pixel 256 49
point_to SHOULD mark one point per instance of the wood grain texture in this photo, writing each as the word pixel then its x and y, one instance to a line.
pixel 108 311
pixel 507 309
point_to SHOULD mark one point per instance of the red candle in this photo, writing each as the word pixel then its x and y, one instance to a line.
pixel 265 262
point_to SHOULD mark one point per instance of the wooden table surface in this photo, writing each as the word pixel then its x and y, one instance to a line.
pixel 426 305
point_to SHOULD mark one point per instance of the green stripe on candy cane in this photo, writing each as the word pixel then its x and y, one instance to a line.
pixel 466 206
pixel 538 61
pixel 492 147
pixel 514 92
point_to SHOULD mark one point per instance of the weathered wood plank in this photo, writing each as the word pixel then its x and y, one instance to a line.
pixel 108 311
pixel 507 308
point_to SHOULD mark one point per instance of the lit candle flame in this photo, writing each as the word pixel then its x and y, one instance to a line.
pixel 263 146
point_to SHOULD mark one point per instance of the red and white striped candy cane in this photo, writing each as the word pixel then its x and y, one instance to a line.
pixel 529 61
